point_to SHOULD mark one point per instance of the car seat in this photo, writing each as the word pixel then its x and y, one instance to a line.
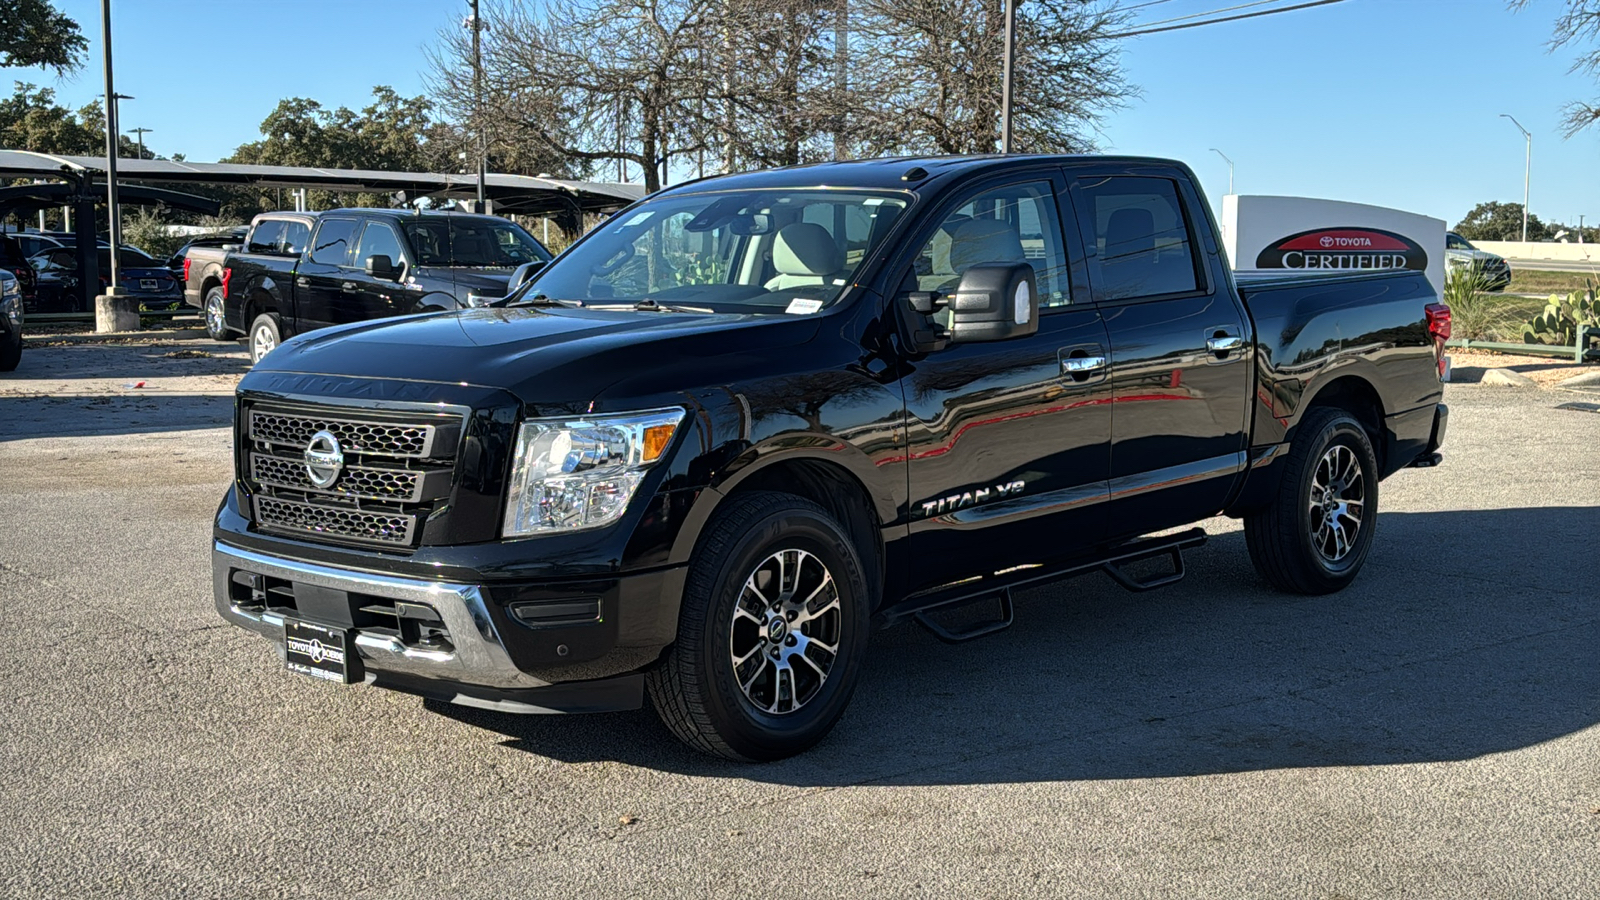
pixel 804 254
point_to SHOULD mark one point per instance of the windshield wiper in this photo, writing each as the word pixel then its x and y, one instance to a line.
pixel 649 305
pixel 543 300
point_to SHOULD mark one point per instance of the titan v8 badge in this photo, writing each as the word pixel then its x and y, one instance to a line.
pixel 971 498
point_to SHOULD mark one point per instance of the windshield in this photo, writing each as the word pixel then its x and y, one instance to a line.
pixel 463 242
pixel 744 251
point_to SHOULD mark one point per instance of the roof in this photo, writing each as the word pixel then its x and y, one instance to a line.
pixel 511 193
pixel 890 173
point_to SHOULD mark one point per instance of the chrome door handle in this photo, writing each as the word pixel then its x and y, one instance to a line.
pixel 1080 365
pixel 348 286
pixel 303 282
pixel 1224 344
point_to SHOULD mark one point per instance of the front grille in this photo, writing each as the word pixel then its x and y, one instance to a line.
pixel 396 472
pixel 351 524
pixel 354 435
pixel 355 481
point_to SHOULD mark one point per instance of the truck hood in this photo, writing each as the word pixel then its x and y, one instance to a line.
pixel 546 357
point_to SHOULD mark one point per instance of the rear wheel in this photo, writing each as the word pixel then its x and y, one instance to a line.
pixel 266 333
pixel 771 635
pixel 216 322
pixel 1315 536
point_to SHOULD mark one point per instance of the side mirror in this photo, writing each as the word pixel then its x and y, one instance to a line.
pixel 381 266
pixel 523 273
pixel 994 302
pixel 232 248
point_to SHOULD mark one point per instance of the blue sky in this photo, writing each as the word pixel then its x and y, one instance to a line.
pixel 1391 102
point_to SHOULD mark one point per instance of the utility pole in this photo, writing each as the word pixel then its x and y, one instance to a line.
pixel 1527 173
pixel 477 103
pixel 141 132
pixel 1230 167
pixel 112 211
pixel 1009 76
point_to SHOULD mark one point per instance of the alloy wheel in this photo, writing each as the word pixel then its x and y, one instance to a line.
pixel 1337 503
pixel 785 631
pixel 214 315
pixel 263 342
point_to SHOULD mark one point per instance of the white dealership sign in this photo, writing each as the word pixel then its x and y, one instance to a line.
pixel 1307 234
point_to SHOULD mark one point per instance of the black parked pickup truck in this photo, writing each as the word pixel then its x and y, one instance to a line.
pixel 300 271
pixel 745 420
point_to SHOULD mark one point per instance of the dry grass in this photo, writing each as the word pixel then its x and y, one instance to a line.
pixel 1526 281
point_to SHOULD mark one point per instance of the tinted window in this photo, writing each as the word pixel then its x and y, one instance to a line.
pixel 334 237
pixel 295 237
pixel 1456 242
pixel 1012 224
pixel 1143 246
pixel 379 239
pixel 266 237
pixel 452 241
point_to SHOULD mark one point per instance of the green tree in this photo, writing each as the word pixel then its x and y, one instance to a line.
pixel 1500 222
pixel 34 33
pixel 30 119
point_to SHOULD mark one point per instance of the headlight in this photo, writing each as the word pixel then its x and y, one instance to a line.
pixel 571 474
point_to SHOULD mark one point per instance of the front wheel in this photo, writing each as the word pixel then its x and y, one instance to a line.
pixel 266 333
pixel 771 635
pixel 216 322
pixel 1315 535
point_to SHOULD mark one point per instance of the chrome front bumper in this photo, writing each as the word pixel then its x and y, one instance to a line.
pixel 478 658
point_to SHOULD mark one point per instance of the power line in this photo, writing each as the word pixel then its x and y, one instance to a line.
pixel 1208 13
pixel 1251 15
pixel 1144 4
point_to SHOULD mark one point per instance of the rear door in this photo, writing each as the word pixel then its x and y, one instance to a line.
pixel 324 291
pixel 1007 441
pixel 1181 347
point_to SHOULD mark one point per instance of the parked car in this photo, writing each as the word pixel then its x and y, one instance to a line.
pixel 11 315
pixel 14 260
pixel 138 274
pixel 1492 268
pixel 32 244
pixel 705 450
pixel 360 264
pixel 202 266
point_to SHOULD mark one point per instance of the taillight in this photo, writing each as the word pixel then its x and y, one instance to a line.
pixel 186 268
pixel 1438 315
pixel 228 274
pixel 1438 322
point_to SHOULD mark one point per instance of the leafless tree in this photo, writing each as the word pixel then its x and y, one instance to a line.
pixel 1578 23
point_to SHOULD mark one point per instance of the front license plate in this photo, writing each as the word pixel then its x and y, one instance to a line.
pixel 317 650
pixel 147 284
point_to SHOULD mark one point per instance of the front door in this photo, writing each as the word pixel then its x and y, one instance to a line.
pixel 382 297
pixel 1007 441
pixel 1180 348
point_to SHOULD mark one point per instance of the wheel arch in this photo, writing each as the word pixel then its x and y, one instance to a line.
pixel 1358 396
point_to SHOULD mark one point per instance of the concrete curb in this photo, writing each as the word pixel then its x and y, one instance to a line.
pixel 118 337
pixel 1587 379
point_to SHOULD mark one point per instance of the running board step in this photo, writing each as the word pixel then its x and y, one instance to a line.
pixel 1171 545
pixel 975 630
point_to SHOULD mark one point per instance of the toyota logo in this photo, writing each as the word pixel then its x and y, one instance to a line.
pixel 324 459
pixel 1327 242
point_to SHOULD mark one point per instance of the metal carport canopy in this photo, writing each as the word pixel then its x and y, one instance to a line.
pixel 525 194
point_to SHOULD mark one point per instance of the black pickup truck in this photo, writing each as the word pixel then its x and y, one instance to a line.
pixel 301 271
pixel 731 429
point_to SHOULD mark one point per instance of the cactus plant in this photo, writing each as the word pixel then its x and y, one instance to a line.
pixel 1559 322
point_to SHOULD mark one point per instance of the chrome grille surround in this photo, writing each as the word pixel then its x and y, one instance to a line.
pixel 348 523
pixel 368 483
pixel 354 435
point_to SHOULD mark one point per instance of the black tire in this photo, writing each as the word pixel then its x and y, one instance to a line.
pixel 1303 542
pixel 213 310
pixel 696 690
pixel 11 352
pixel 266 333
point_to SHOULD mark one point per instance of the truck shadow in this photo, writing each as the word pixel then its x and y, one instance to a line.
pixel 1469 633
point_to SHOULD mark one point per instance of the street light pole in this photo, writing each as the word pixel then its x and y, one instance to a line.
pixel 1527 173
pixel 112 133
pixel 477 103
pixel 1009 76
pixel 1230 167
pixel 140 132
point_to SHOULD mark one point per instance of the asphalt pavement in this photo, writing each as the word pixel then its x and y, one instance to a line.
pixel 1434 731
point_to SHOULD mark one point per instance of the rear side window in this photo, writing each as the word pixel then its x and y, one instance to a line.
pixel 266 237
pixel 295 237
pixel 333 242
pixel 1142 241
